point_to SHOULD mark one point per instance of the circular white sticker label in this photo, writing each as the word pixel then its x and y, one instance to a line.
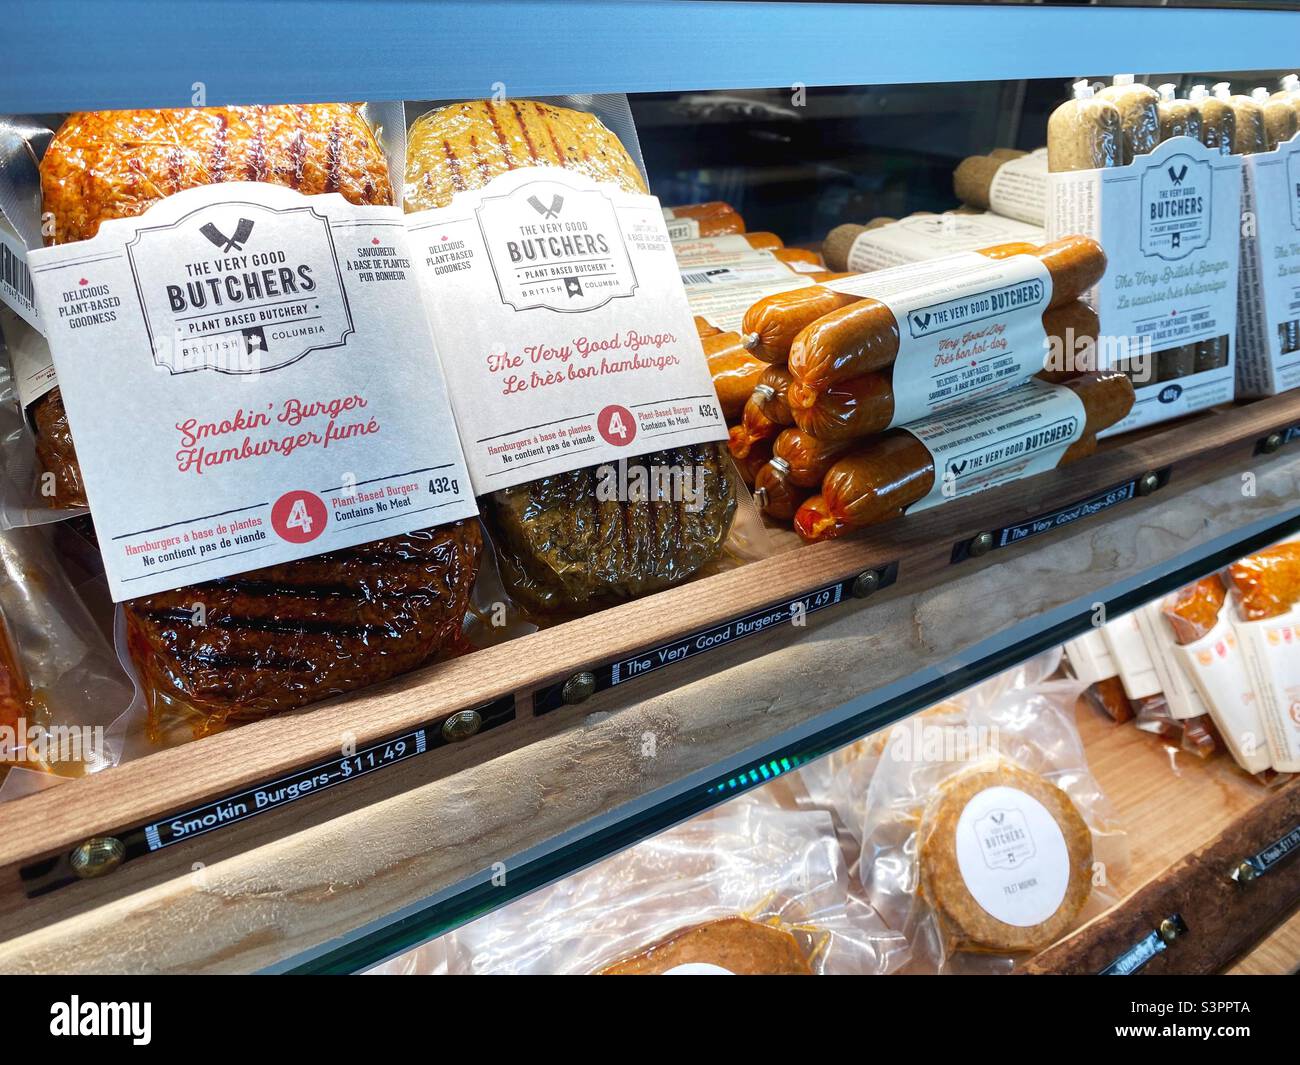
pixel 1012 856
pixel 698 968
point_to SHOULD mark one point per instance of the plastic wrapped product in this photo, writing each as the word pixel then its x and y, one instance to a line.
pixel 1267 583
pixel 564 541
pixel 861 335
pixel 1218 120
pixel 576 539
pixel 1178 118
pixel 63 694
pixel 1249 135
pixel 984 834
pixel 116 164
pixel 1084 133
pixel 273 639
pixel 748 889
pixel 735 371
pixel 1280 119
pixel 1138 114
pixel 896 470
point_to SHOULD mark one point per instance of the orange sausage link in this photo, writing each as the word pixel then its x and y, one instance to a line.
pixel 800 255
pixel 776 495
pixel 770 325
pixel 722 225
pixel 862 335
pixel 708 209
pixel 771 395
pixel 760 453
pixel 864 405
pixel 805 458
pixel 735 371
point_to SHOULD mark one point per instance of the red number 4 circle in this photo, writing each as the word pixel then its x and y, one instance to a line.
pixel 299 517
pixel 616 425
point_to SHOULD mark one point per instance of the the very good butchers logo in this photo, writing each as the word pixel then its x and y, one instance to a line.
pixel 1176 198
pixel 1004 839
pixel 554 246
pixel 926 321
pixel 239 288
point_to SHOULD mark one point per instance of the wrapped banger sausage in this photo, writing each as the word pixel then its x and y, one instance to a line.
pixel 758 456
pixel 1084 133
pixel 863 336
pixel 1178 118
pixel 771 324
pixel 896 470
pixel 708 209
pixel 805 458
pixel 735 371
pixel 1248 117
pixel 776 495
pixel 1194 611
pixel 864 405
pixel 1138 115
pixel 1280 119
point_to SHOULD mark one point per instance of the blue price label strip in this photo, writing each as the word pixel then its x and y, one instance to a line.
pixel 704 640
pixel 1061 516
pixel 42 877
pixel 1276 852
pixel 1146 948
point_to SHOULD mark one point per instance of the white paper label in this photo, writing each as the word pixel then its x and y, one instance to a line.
pixel 29 357
pixel 1170 225
pixel 724 306
pixel 1272 653
pixel 698 968
pixel 15 277
pixel 977 331
pixel 1216 668
pixel 713 251
pixel 1012 856
pixel 1268 306
pixel 760 270
pixel 1016 434
pixel 562 325
pixel 914 240
pixel 682 228
pixel 1019 188
pixel 250 378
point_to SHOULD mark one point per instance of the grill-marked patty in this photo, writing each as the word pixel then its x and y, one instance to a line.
pixel 286 635
pixel 563 542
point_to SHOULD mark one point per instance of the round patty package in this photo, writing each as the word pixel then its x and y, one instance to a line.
pixel 984 834
pixel 750 889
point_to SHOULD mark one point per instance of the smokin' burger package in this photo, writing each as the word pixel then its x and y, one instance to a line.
pixel 591 427
pixel 281 522
pixel 984 835
pixel 1167 212
pixel 749 889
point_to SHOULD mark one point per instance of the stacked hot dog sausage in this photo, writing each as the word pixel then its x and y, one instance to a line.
pixel 820 414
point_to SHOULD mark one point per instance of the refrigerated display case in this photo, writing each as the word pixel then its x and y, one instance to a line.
pixel 342 835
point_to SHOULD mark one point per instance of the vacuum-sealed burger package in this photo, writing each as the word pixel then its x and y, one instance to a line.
pixel 750 889
pixel 63 696
pixel 591 426
pixel 985 836
pixel 280 522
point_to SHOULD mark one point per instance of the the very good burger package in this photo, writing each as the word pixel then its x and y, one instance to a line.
pixel 1167 210
pixel 582 396
pixel 750 889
